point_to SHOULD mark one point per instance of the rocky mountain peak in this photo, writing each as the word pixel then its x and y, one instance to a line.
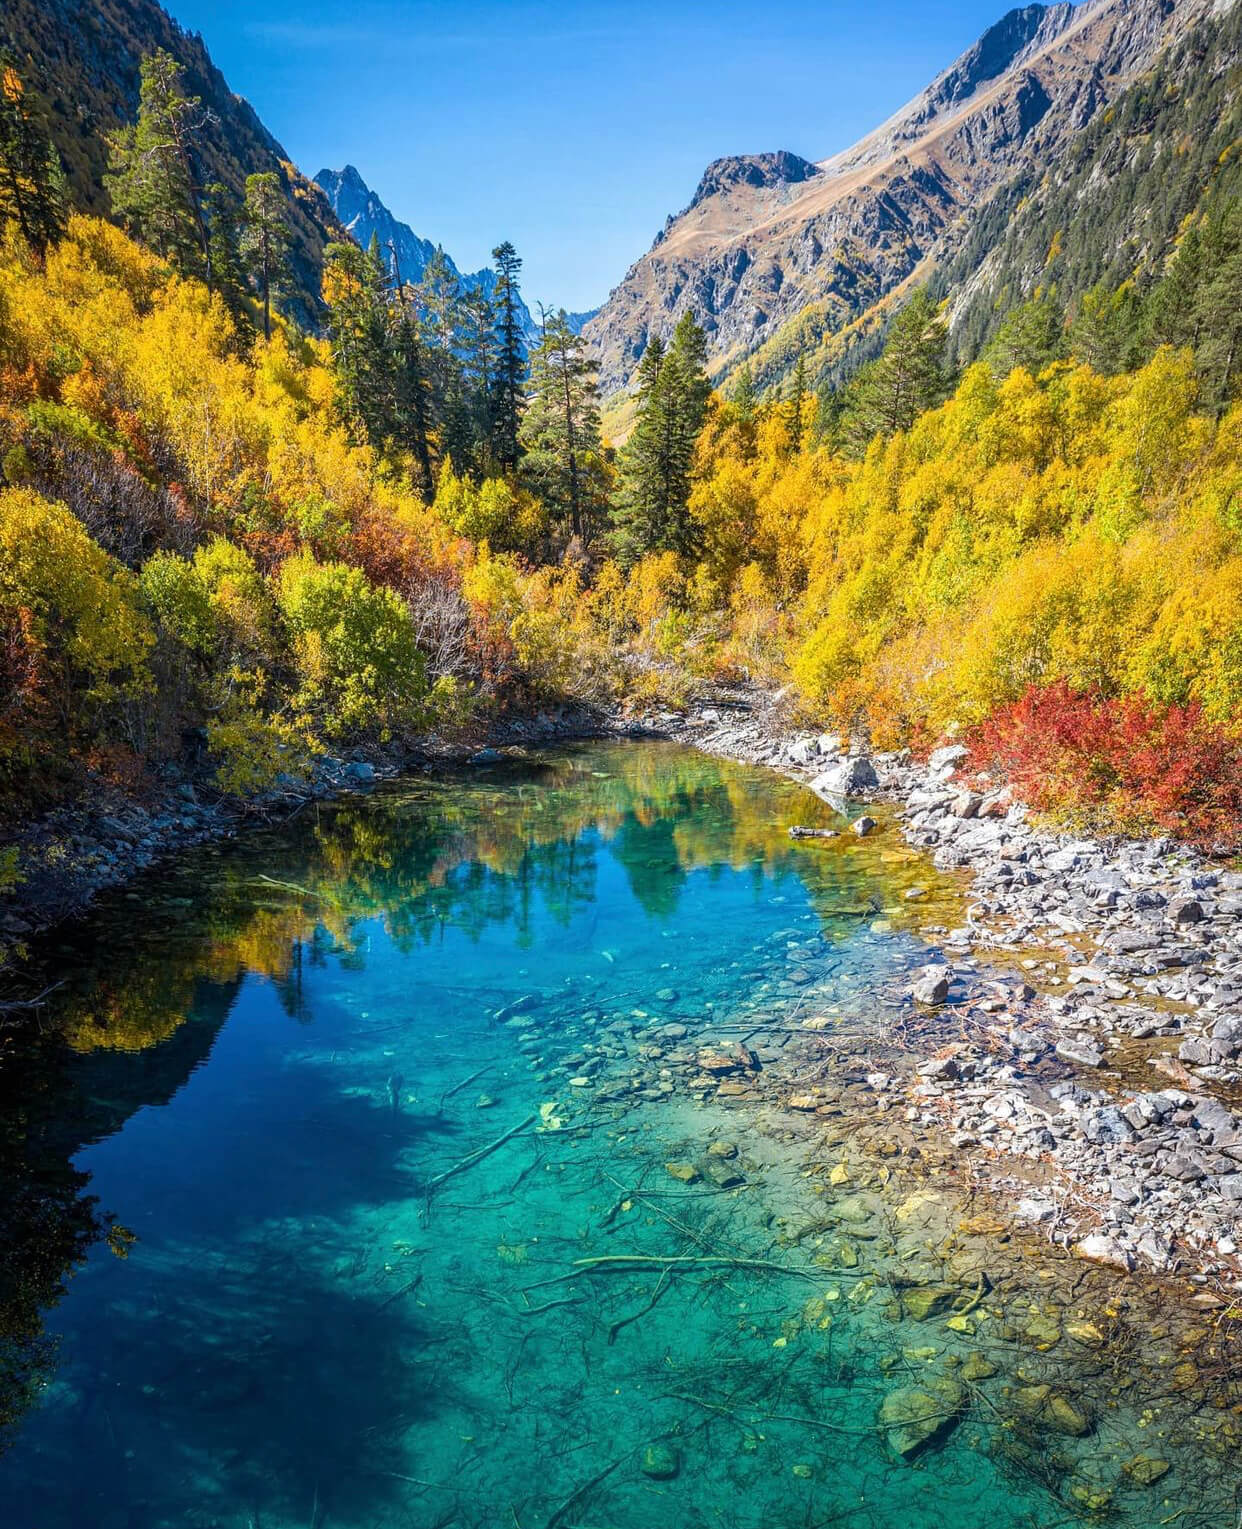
pixel 757 170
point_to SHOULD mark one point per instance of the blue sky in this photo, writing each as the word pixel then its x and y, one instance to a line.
pixel 572 130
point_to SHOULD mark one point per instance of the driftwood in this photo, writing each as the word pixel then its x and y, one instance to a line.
pixel 477 1157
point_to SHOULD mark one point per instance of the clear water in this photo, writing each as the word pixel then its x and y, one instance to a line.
pixel 260 1063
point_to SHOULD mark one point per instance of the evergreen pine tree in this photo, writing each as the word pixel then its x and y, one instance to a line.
pixel 658 458
pixel 745 399
pixel 560 429
pixel 153 180
pixel 32 182
pixel 1032 335
pixel 354 288
pixel 265 239
pixel 797 398
pixel 223 215
pixel 509 361
pixel 890 393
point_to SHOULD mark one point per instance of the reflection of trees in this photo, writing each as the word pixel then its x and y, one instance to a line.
pixel 486 850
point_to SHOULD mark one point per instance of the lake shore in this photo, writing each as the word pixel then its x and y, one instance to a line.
pixel 1079 1035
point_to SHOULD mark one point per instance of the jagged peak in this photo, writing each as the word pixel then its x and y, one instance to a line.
pixel 773 169
pixel 1001 48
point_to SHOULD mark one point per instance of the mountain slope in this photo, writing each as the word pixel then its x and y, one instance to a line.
pixel 83 61
pixel 364 215
pixel 775 254
pixel 1113 205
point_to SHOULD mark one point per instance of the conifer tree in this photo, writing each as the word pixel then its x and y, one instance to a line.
pixel 223 214
pixel 509 362
pixel 354 288
pixel 890 393
pixel 1032 335
pixel 32 182
pixel 265 239
pixel 745 399
pixel 797 398
pixel 153 179
pixel 671 399
pixel 560 429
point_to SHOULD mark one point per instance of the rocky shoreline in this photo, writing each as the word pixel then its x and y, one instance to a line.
pixel 1080 1036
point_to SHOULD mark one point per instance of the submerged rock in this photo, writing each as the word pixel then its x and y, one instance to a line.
pixel 661 1461
pixel 915 1417
pixel 1145 1470
pixel 927 1301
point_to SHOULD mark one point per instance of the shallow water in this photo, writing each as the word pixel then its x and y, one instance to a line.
pixel 261 1063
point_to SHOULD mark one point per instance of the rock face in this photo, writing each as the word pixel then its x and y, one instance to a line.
pixel 770 236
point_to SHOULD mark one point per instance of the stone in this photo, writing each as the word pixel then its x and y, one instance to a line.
pixel 915 1417
pixel 1146 1470
pixel 725 1149
pixel 926 1301
pixel 1099 1248
pixel 864 826
pixel 976 1368
pixel 686 1172
pixel 722 1175
pixel 1080 1053
pixel 802 1102
pixel 941 761
pixel 1066 1417
pixel 932 986
pixel 852 777
pixel 1186 910
pixel 717 1062
pixel 661 1462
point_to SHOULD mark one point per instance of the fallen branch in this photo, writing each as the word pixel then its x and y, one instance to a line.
pixel 477 1157
pixel 457 1087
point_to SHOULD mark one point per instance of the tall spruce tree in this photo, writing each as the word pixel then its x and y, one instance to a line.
pixel 354 288
pixel 32 182
pixel 560 429
pixel 656 464
pixel 509 360
pixel 223 213
pixel 153 180
pixel 265 239
pixel 797 399
pixel 889 394
pixel 745 399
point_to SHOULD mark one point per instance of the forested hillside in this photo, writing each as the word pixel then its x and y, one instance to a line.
pixel 1112 208
pixel 83 63
pixel 225 540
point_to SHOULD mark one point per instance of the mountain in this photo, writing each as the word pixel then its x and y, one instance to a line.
pixel 82 60
pixel 364 215
pixel 777 255
pixel 1112 206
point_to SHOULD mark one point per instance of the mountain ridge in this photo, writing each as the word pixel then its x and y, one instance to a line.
pixel 83 62
pixel 363 214
pixel 751 259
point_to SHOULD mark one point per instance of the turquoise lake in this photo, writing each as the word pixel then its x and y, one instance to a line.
pixel 413 1205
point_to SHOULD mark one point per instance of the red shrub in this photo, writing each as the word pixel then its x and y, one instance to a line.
pixel 1116 764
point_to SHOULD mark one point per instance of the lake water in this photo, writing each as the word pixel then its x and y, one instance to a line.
pixel 356 1099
